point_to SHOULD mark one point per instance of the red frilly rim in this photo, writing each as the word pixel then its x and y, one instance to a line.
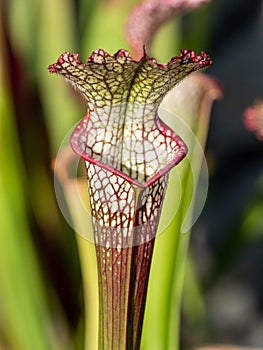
pixel 203 60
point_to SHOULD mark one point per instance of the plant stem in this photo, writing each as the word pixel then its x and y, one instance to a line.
pixel 122 294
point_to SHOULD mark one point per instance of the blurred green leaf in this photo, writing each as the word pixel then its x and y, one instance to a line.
pixel 105 28
pixel 56 34
pixel 166 42
pixel 25 318
pixel 193 303
pixel 252 224
pixel 194 97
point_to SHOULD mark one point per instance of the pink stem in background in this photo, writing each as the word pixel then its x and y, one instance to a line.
pixel 253 119
pixel 147 17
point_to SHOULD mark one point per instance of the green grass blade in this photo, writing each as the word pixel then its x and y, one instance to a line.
pixel 161 325
pixel 25 318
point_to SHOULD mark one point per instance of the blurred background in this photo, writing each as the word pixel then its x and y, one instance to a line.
pixel 41 303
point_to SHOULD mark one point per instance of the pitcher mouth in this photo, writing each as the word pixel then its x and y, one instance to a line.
pixel 140 157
